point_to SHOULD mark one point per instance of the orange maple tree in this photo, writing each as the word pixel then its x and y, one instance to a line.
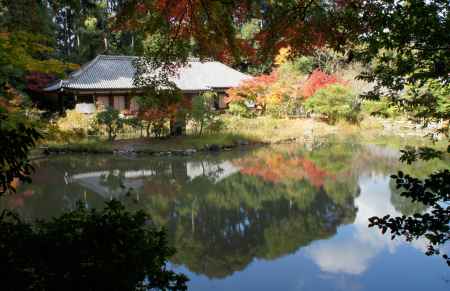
pixel 255 89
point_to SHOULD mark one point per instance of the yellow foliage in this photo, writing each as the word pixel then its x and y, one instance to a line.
pixel 283 55
pixel 19 50
pixel 274 98
pixel 75 120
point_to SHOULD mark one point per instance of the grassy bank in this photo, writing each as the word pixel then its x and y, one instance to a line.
pixel 249 131
pixel 145 145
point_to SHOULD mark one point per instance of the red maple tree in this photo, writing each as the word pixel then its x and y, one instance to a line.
pixel 318 80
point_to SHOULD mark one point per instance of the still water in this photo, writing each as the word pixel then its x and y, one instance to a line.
pixel 288 217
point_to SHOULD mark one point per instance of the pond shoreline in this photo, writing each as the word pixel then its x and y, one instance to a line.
pixel 245 133
pixel 188 151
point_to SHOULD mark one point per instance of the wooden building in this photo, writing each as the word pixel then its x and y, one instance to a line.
pixel 108 80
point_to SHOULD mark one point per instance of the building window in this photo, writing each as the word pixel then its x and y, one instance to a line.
pixel 119 103
pixel 102 101
pixel 134 106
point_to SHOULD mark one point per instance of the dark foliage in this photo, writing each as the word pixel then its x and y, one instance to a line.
pixel 112 249
pixel 408 39
pixel 408 52
pixel 17 137
pixel 434 192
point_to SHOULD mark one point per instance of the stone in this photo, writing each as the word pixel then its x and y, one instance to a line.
pixel 242 142
pixel 214 148
pixel 189 152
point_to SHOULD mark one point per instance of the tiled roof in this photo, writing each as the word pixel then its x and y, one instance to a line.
pixel 117 73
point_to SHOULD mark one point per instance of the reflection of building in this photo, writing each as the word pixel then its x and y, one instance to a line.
pixel 115 183
pixel 216 172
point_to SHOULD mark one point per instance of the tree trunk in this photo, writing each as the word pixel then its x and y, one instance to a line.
pixel 201 127
pixel 178 126
pixel 147 130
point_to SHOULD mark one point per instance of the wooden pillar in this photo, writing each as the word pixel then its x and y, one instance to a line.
pixel 111 101
pixel 127 102
pixel 60 103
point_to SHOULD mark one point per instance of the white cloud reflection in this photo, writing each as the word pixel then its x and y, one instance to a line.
pixel 352 253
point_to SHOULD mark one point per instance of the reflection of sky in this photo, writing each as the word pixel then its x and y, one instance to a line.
pixel 356 258
pixel 352 253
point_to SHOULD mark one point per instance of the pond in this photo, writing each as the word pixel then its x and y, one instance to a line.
pixel 286 217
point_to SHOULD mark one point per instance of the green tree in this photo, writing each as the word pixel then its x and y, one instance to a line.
pixel 335 102
pixel 111 119
pixel 202 112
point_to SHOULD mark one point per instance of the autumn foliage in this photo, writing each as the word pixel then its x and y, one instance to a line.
pixel 256 89
pixel 282 85
pixel 318 80
pixel 279 168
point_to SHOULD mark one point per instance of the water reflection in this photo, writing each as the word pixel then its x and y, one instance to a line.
pixel 352 254
pixel 224 212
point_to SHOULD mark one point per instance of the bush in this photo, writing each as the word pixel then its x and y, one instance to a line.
pixel 75 120
pixel 289 107
pixel 158 128
pixel 112 120
pixel 380 108
pixel 216 125
pixel 54 134
pixel 240 109
pixel 112 249
pixel 302 65
pixel 335 102
pixel 276 110
pixel 202 112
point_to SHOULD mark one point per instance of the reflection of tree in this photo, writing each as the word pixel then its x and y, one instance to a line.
pixel 227 240
pixel 403 204
pixel 280 166
pixel 220 223
pixel 113 180
pixel 220 228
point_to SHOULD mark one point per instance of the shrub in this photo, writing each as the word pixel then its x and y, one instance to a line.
pixel 276 110
pixel 335 102
pixel 54 134
pixel 202 112
pixel 288 107
pixel 216 125
pixel 158 128
pixel 300 65
pixel 75 120
pixel 111 119
pixel 110 249
pixel 380 108
pixel 239 109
